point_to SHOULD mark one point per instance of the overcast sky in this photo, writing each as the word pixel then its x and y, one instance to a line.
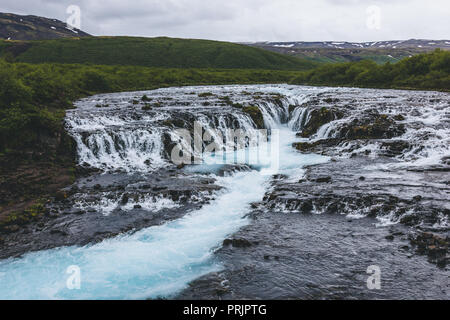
pixel 253 20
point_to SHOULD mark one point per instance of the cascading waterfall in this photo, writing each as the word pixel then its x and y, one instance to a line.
pixel 125 140
pixel 112 143
pixel 160 260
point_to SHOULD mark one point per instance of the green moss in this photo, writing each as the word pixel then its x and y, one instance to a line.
pixel 33 212
pixel 226 100
pixel 318 118
pixel 382 127
pixel 255 113
pixel 177 123
pixel 205 95
pixel 36 209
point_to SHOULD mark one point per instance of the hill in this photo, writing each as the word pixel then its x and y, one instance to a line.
pixel 429 71
pixel 150 52
pixel 333 51
pixel 17 27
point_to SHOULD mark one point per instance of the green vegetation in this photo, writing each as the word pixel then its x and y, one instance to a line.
pixel 336 55
pixel 255 113
pixel 423 71
pixel 150 52
pixel 34 97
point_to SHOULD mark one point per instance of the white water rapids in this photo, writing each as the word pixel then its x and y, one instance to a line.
pixel 161 260
pixel 158 261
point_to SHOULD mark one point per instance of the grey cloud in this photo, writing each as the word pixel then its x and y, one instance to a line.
pixel 250 20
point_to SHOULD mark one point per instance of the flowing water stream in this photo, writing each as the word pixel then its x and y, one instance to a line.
pixel 129 147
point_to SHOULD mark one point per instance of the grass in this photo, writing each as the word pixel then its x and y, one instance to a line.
pixel 428 71
pixel 150 52
pixel 34 97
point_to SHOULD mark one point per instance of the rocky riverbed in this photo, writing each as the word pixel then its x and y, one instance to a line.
pixel 363 180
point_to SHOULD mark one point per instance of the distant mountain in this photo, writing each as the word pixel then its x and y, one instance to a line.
pixel 412 43
pixel 335 51
pixel 16 27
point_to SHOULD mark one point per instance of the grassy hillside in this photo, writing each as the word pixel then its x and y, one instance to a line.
pixel 423 71
pixel 150 52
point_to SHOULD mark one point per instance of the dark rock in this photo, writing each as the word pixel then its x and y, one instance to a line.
pixel 410 220
pixel 237 243
pixel 11 228
pixel 395 147
pixel 432 245
pixel 125 199
pixel 255 113
pixel 58 232
pixel 316 146
pixel 306 206
pixel 159 188
pixel 254 205
pixel 319 117
pixel 372 127
pixel 322 180
pixel 60 196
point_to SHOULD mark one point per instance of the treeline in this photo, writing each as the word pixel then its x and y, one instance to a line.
pixel 34 97
pixel 423 71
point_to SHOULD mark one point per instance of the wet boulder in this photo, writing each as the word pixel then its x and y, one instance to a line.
pixel 395 147
pixel 372 127
pixel 324 179
pixel 318 118
pixel 316 146
pixel 237 243
pixel 432 245
pixel 124 199
pixel 255 113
